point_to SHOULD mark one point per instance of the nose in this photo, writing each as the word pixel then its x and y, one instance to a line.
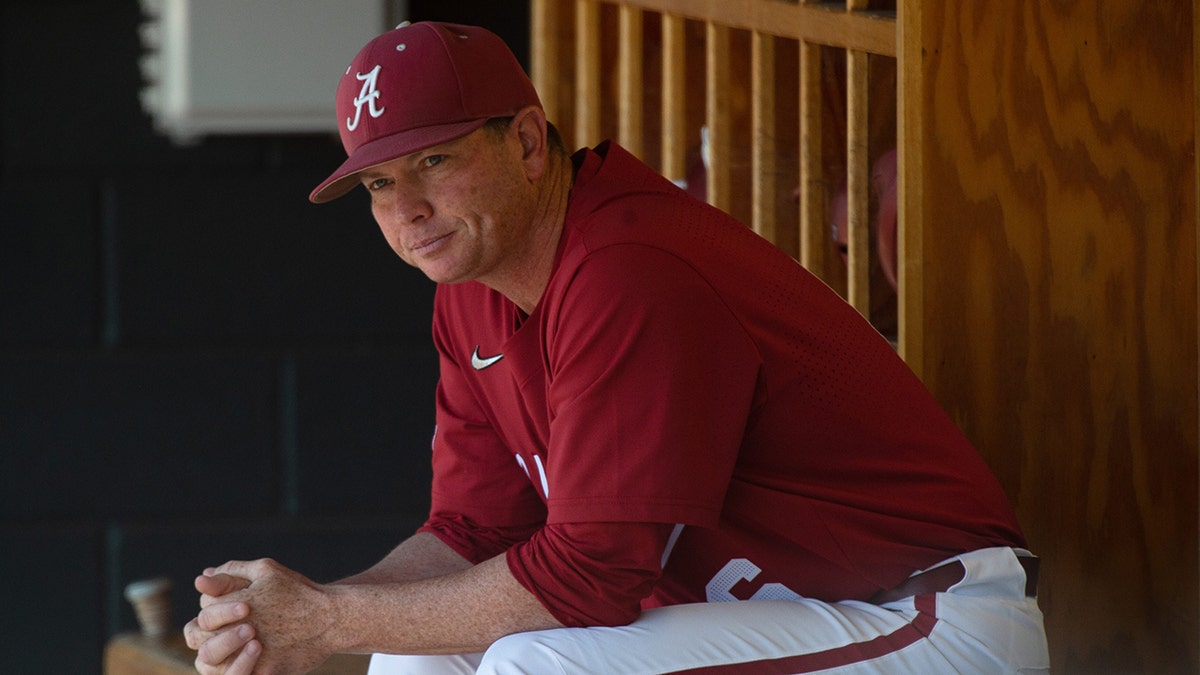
pixel 397 209
pixel 400 206
pixel 409 206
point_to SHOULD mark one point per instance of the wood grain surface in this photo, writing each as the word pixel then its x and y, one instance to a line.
pixel 1058 205
pixel 135 654
pixel 1048 254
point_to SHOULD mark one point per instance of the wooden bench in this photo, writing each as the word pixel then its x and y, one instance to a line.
pixel 136 654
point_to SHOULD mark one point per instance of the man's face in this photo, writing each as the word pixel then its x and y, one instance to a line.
pixel 458 211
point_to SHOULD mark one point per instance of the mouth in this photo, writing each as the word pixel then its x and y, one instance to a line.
pixel 429 245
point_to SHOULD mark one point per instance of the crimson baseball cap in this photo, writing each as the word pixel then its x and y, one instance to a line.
pixel 417 86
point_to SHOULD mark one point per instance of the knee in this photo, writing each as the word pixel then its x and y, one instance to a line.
pixel 531 653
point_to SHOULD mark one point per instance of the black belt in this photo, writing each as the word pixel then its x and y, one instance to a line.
pixel 941 578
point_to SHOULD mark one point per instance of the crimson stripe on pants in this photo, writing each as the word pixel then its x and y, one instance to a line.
pixel 858 652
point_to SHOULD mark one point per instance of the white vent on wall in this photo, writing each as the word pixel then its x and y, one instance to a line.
pixel 251 66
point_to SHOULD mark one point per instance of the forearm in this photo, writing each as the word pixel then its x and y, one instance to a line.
pixel 460 612
pixel 421 556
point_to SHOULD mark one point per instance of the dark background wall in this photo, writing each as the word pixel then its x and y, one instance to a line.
pixel 196 364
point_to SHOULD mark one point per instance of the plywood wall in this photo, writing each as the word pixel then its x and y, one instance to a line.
pixel 1049 244
pixel 1052 158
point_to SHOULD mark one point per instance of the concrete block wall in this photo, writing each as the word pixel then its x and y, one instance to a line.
pixel 196 364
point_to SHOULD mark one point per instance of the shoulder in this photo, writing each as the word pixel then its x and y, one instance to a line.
pixel 630 288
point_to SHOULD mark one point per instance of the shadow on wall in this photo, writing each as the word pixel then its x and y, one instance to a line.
pixel 196 364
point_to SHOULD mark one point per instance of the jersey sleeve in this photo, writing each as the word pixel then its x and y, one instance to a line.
pixel 591 574
pixel 652 384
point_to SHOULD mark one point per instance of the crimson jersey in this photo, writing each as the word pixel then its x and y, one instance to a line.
pixel 679 369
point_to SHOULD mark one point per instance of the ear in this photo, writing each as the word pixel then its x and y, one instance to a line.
pixel 529 126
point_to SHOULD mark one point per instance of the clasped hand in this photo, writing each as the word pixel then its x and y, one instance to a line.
pixel 259 617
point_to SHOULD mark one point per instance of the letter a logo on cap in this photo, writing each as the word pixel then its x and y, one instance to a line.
pixel 368 95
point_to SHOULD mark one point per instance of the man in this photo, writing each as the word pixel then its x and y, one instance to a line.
pixel 646 415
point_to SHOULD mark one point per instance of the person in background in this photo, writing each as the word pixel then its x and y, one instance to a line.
pixel 661 445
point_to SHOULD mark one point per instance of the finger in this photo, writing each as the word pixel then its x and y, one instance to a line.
pixel 225 644
pixel 222 614
pixel 218 585
pixel 245 661
pixel 247 569
pixel 203 668
pixel 194 636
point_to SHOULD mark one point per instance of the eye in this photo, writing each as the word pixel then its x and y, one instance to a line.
pixel 433 160
pixel 376 183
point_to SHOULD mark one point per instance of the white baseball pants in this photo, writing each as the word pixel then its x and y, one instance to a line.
pixel 983 624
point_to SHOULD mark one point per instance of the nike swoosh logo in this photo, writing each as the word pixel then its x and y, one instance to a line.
pixel 479 364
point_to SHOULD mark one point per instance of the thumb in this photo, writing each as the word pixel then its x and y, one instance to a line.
pixel 247 569
pixel 219 584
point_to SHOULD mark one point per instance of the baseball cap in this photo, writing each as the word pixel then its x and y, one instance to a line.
pixel 417 86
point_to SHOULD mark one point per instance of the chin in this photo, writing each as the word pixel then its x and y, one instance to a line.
pixel 441 276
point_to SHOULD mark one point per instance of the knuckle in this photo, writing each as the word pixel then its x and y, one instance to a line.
pixel 208 654
pixel 192 640
pixel 207 621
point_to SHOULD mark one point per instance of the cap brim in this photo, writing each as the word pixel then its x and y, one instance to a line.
pixel 386 149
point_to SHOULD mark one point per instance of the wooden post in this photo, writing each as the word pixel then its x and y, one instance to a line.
pixel 858 178
pixel 718 114
pixel 763 133
pixel 587 69
pixel 543 53
pixel 814 232
pixel 910 188
pixel 630 105
pixel 674 103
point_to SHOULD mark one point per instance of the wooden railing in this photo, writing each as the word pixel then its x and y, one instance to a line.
pixel 793 98
pixel 1047 185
